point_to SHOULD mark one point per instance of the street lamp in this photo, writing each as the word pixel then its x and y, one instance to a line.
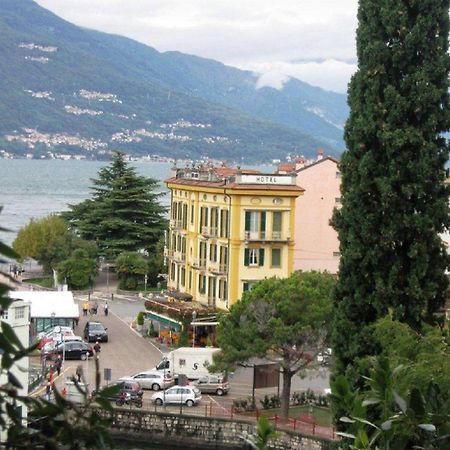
pixel 107 277
pixel 194 316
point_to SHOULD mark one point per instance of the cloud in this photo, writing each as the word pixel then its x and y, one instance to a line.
pixel 242 33
pixel 328 74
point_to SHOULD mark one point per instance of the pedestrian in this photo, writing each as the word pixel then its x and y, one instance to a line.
pixel 50 375
pixel 58 365
pixel 64 392
pixel 48 391
pixel 78 373
pixel 95 308
pixel 85 308
pixel 97 348
pixel 105 308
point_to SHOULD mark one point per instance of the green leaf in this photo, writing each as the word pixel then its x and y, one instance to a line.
pixel 387 425
pixel 9 333
pixel 427 427
pixel 401 403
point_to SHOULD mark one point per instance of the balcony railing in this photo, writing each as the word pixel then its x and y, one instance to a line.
pixel 168 253
pixel 199 263
pixel 179 256
pixel 265 236
pixel 176 224
pixel 219 269
pixel 209 231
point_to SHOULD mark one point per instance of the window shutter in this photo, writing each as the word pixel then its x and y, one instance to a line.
pixel 263 221
pixel 201 219
pixel 247 220
pixel 246 256
pixel 245 287
pixel 261 257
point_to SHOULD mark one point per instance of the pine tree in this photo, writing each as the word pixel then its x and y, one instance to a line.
pixel 394 200
pixel 123 214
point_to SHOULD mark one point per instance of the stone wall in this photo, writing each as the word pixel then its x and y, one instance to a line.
pixel 202 433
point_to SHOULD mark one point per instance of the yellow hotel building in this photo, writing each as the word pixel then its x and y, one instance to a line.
pixel 229 228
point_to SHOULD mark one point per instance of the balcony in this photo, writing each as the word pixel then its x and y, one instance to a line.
pixel 209 232
pixel 168 253
pixel 176 224
pixel 199 263
pixel 179 257
pixel 264 236
pixel 218 269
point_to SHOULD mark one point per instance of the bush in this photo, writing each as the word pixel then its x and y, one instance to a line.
pixel 270 401
pixel 140 318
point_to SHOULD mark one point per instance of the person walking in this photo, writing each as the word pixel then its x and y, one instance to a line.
pixel 97 349
pixel 85 308
pixel 58 365
pixel 105 308
pixel 48 391
pixel 95 308
pixel 78 373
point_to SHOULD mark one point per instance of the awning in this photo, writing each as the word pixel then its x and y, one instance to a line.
pixel 164 320
pixel 205 324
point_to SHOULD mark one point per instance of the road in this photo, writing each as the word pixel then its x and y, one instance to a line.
pixel 127 353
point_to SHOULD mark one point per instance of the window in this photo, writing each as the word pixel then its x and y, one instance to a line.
pixel 201 284
pixel 255 224
pixel 4 314
pixel 224 217
pixel 337 254
pixel 277 223
pixel 337 200
pixel 20 312
pixel 338 174
pixel 213 253
pixel 247 285
pixel 192 214
pixel 276 257
pixel 254 257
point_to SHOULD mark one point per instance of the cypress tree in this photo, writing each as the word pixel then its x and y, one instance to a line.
pixel 394 200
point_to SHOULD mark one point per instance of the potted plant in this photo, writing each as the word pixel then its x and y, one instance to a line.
pixel 140 321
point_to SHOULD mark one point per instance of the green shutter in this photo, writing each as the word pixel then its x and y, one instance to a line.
pixel 261 257
pixel 263 221
pixel 246 256
pixel 247 220
pixel 245 287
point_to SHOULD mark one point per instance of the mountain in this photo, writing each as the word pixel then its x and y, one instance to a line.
pixel 70 90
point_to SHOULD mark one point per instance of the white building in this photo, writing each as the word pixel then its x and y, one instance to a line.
pixel 18 317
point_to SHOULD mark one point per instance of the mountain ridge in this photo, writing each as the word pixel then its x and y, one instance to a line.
pixel 165 103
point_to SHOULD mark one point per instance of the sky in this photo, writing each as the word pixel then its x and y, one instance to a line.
pixel 312 40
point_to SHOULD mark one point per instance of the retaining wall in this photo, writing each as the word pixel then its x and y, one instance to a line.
pixel 191 432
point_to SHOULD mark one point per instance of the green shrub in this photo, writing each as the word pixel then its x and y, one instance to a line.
pixel 140 318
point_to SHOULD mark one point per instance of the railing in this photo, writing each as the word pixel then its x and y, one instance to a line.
pixel 179 256
pixel 265 236
pixel 168 253
pixel 209 231
pixel 176 224
pixel 199 263
pixel 303 424
pixel 218 268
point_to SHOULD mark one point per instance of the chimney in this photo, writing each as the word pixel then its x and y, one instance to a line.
pixel 319 154
pixel 300 162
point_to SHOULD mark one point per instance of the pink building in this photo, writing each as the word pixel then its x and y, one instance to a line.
pixel 316 242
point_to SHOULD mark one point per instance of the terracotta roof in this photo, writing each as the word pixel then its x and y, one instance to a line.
pixel 328 158
pixel 286 167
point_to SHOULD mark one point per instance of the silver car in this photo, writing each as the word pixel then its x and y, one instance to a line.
pixel 186 395
pixel 151 379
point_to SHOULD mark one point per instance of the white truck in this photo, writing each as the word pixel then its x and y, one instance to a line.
pixel 189 361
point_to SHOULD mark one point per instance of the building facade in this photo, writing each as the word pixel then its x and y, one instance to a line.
pixel 228 230
pixel 316 242
pixel 18 317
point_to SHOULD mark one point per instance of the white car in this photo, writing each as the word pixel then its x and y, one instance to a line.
pixel 186 395
pixel 151 379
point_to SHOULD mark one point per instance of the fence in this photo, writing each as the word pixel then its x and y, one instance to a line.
pixel 303 424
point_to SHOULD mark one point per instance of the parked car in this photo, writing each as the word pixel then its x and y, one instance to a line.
pixel 51 345
pixel 186 395
pixel 324 357
pixel 151 379
pixel 131 387
pixel 213 384
pixel 71 350
pixel 54 336
pixel 95 331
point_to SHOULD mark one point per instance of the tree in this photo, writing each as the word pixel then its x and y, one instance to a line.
pixel 63 423
pixel 123 213
pixel 283 320
pixel 131 268
pixel 32 239
pixel 394 200
pixel 78 271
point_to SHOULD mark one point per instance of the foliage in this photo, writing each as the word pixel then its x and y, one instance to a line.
pixel 123 214
pixel 63 424
pixel 37 234
pixel 394 200
pixel 265 432
pixel 49 241
pixel 140 318
pixel 283 320
pixel 78 271
pixel 131 268
pixel 156 262
pixel 418 418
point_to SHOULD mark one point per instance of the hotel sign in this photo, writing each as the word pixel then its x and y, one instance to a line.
pixel 267 179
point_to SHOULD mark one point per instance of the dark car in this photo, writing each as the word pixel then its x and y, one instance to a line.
pixel 95 331
pixel 72 350
pixel 131 387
